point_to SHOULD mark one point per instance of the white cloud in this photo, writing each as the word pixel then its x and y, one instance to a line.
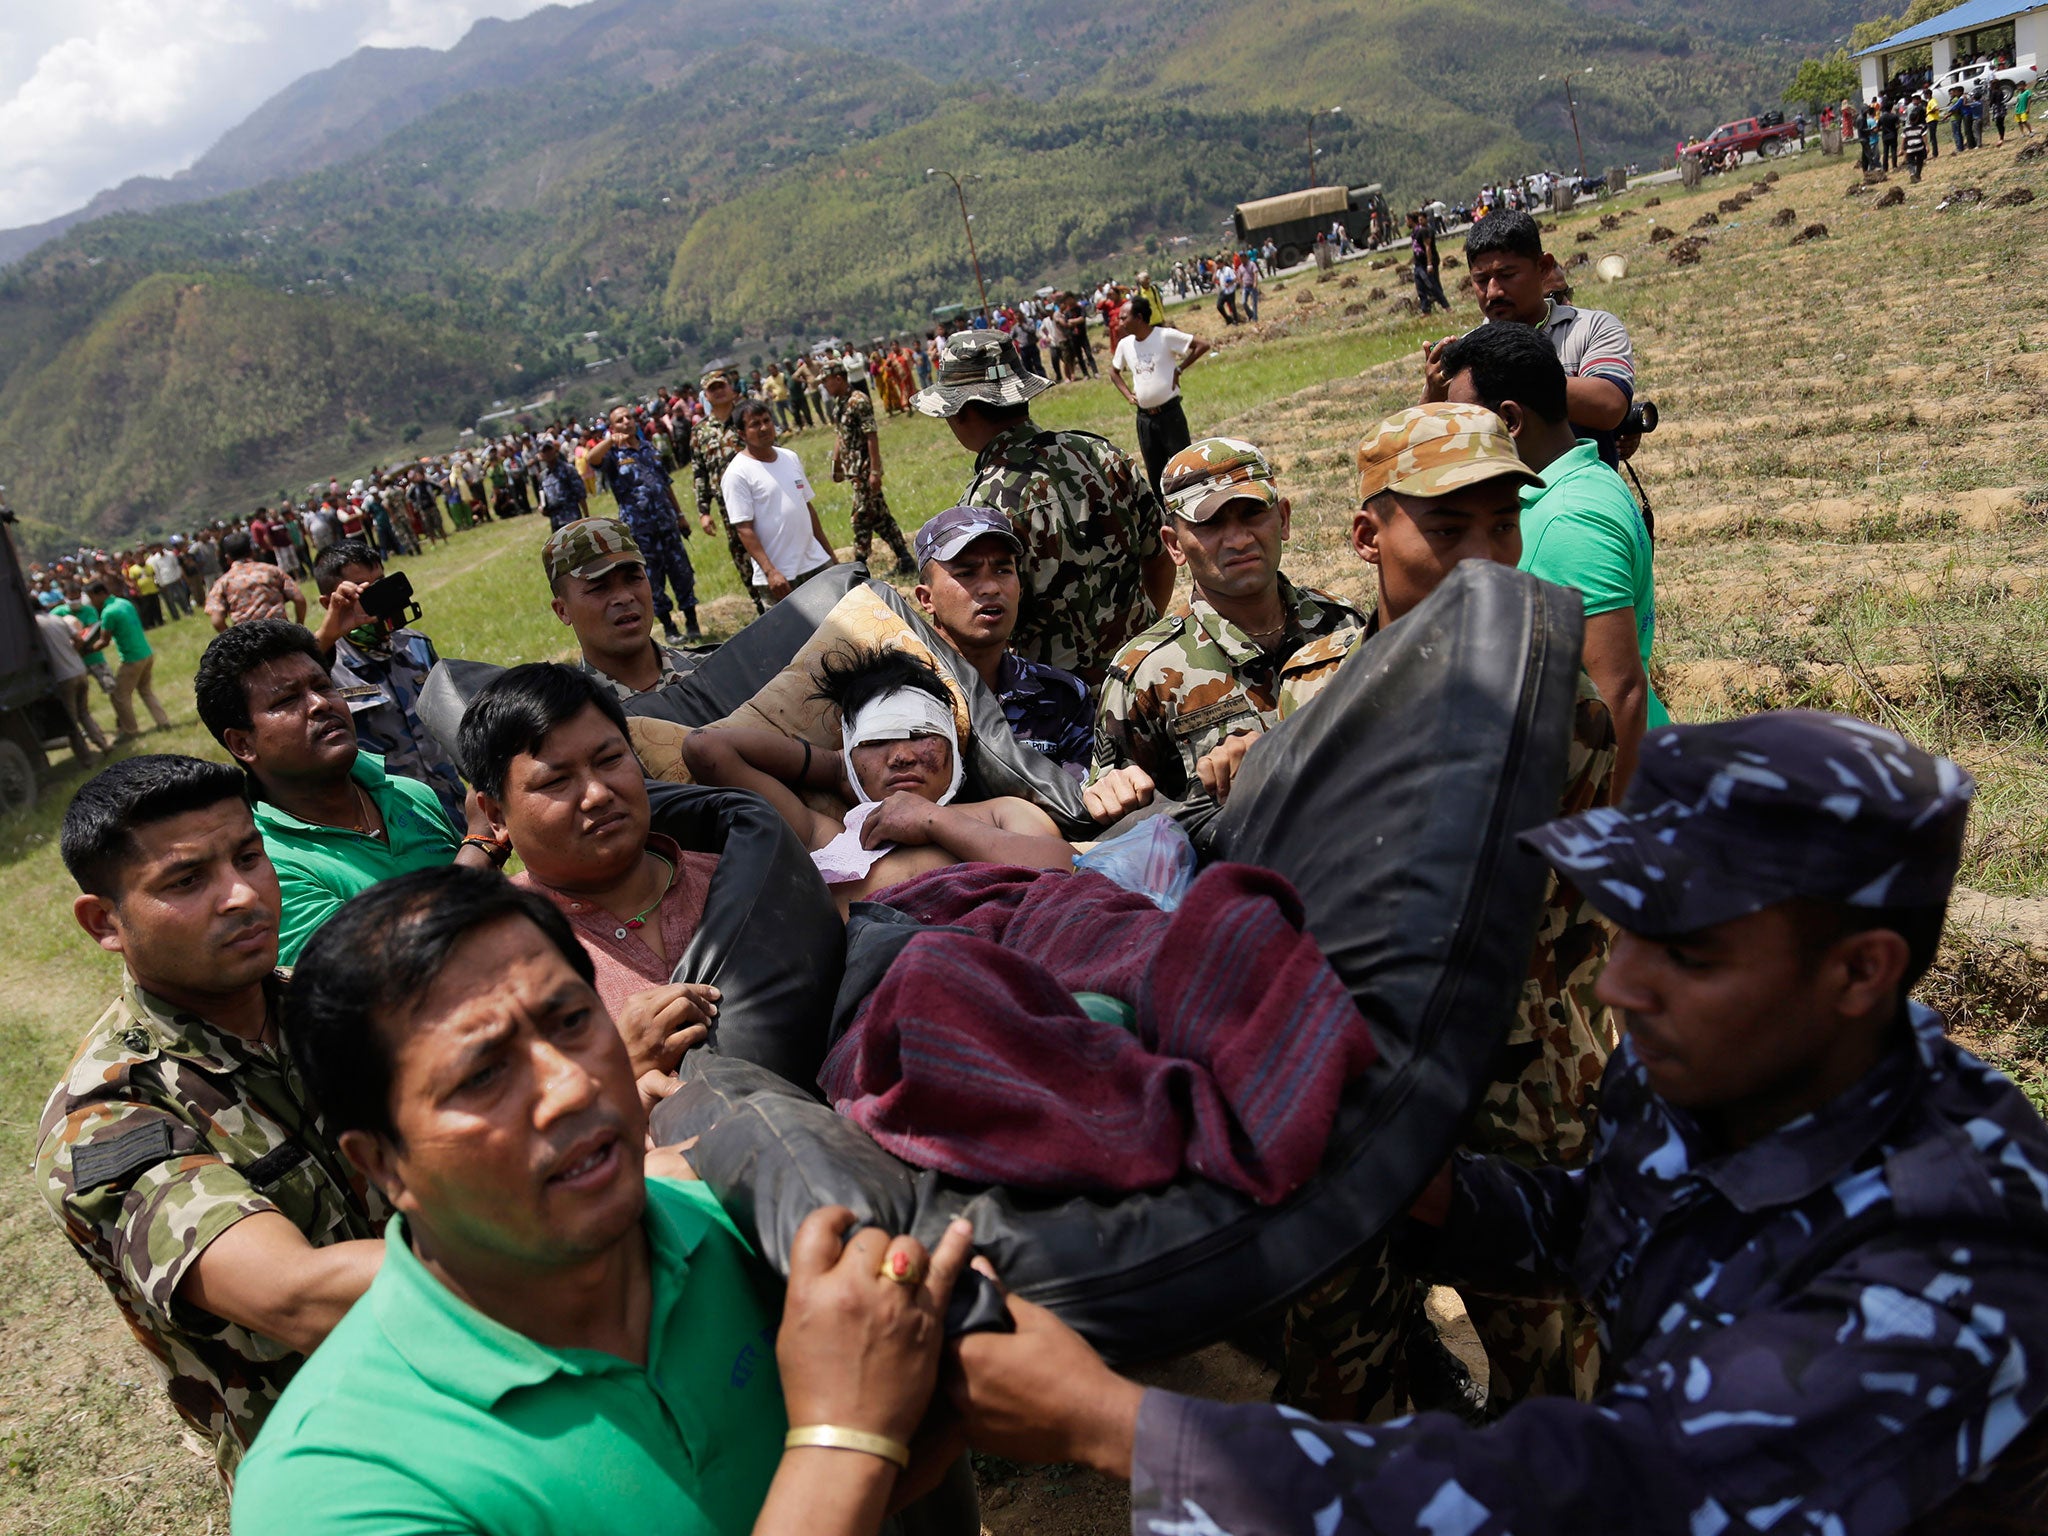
pixel 95 91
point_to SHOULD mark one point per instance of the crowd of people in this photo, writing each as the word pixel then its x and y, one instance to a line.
pixel 1747 1239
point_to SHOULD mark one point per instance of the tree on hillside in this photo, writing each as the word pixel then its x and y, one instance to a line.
pixel 1823 82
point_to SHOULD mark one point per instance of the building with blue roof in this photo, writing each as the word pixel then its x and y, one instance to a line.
pixel 1988 27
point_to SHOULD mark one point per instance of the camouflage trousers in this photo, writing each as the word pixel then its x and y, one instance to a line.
pixel 1346 1344
pixel 871 516
pixel 1346 1341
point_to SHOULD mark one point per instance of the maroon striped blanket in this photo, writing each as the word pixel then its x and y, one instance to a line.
pixel 972 1057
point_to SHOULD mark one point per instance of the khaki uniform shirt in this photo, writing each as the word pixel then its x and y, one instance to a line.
pixel 1194 678
pixel 162 1134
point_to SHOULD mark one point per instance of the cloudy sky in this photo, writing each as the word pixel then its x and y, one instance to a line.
pixel 95 91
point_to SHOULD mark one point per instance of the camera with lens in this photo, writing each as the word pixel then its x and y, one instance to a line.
pixel 390 599
pixel 1641 418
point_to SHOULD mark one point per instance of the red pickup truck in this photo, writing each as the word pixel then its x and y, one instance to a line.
pixel 1746 135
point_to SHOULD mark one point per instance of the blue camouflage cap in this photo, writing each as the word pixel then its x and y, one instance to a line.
pixel 957 527
pixel 1726 819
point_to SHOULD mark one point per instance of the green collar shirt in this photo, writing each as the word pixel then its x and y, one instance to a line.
pixel 421 1414
pixel 319 868
pixel 1581 528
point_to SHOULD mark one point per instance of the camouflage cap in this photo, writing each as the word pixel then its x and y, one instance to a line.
pixel 718 368
pixel 978 365
pixel 1432 450
pixel 1725 819
pixel 1212 472
pixel 590 546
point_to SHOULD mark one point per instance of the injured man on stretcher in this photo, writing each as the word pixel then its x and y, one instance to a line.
pixel 1117 1045
pixel 901 765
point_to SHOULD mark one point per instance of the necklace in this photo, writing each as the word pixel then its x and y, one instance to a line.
pixel 363 808
pixel 640 920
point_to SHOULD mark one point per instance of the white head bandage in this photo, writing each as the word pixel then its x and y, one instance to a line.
pixel 897 717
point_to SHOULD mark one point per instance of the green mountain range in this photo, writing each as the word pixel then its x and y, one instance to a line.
pixel 396 244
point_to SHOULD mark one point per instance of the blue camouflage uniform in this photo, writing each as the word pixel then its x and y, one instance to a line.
pixel 647 506
pixel 1834 1330
pixel 562 495
pixel 1049 711
pixel 381 685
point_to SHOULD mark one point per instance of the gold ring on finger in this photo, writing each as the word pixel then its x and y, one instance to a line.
pixel 902 1267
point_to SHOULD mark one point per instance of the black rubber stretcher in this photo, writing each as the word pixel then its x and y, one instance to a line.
pixel 1391 802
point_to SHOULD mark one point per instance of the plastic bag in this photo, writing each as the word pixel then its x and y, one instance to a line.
pixel 1154 858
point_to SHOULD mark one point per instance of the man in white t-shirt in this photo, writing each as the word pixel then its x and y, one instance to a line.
pixel 768 502
pixel 170 581
pixel 1051 346
pixel 1155 356
pixel 1226 292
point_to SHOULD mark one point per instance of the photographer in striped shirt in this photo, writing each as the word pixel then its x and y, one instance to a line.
pixel 1513 278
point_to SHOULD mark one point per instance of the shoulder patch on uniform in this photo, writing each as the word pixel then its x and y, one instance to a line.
pixel 105 1162
pixel 1146 643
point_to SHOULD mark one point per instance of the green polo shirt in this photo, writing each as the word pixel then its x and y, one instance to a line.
pixel 1582 529
pixel 124 627
pixel 319 868
pixel 420 1414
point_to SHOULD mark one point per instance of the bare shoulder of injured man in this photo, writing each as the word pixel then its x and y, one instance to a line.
pixel 899 763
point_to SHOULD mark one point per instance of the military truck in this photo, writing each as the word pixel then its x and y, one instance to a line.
pixel 30 711
pixel 1294 219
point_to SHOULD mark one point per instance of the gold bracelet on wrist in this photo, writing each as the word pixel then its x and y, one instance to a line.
pixel 835 1438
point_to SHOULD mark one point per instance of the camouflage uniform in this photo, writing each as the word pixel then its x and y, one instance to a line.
pixel 1194 678
pixel 713 447
pixel 164 1133
pixel 1089 520
pixel 1346 1340
pixel 381 684
pixel 590 547
pixel 675 666
pixel 1087 517
pixel 1831 1326
pixel 871 513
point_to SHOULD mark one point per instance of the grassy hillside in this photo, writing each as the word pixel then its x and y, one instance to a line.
pixel 1452 90
pixel 190 383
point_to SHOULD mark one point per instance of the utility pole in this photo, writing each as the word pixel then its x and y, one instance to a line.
pixel 1319 112
pixel 1572 107
pixel 967 224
